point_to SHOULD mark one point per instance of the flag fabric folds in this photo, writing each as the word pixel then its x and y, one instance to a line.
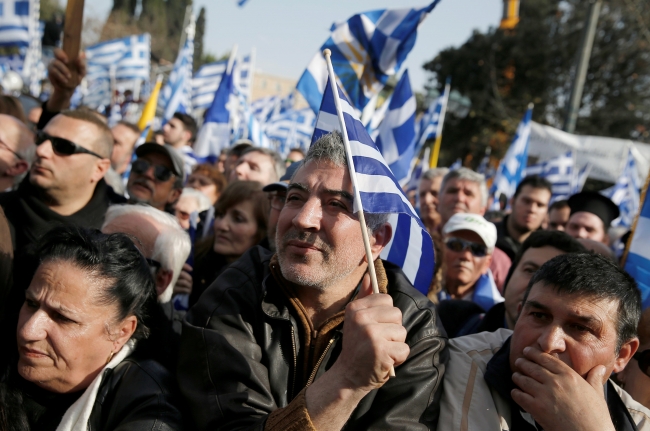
pixel 15 23
pixel 637 263
pixel 215 132
pixel 430 125
pixel 291 129
pixel 205 82
pixel 366 50
pixel 396 134
pixel 177 94
pixel 411 247
pixel 512 167
pixel 560 172
pixel 625 193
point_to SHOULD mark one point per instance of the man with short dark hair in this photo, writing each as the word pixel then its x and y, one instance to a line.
pixel 529 205
pixel 125 135
pixel 558 215
pixel 293 340
pixel 232 156
pixel 577 324
pixel 180 132
pixel 156 177
pixel 260 164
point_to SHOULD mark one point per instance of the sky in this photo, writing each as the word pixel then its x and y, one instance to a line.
pixel 287 33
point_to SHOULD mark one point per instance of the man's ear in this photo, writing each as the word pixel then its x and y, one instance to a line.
pixel 18 168
pixel 628 349
pixel 101 167
pixel 380 238
pixel 187 135
pixel 487 263
pixel 174 194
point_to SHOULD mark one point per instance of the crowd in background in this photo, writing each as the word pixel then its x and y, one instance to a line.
pixel 106 243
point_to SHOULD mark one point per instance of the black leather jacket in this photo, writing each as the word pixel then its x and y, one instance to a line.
pixel 136 396
pixel 239 347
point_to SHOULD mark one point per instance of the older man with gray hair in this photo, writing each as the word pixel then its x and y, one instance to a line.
pixel 464 191
pixel 166 246
pixel 428 197
pixel 296 340
pixel 259 164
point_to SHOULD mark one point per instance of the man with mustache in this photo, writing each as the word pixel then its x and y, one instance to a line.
pixel 295 340
pixel 156 177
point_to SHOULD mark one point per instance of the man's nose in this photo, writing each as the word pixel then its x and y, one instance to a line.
pixel 309 216
pixel 45 149
pixel 551 340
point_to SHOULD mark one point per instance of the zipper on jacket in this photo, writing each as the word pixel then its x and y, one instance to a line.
pixel 295 363
pixel 313 373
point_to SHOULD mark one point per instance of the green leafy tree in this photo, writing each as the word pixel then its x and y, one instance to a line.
pixel 502 71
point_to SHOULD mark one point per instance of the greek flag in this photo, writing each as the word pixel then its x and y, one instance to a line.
pixel 410 247
pixel 265 108
pixel 366 50
pixel 456 165
pixel 560 172
pixel 625 193
pixel 431 122
pixel 215 132
pixel 177 94
pixel 205 82
pixel 12 62
pixel 377 117
pixel 581 178
pixel 15 22
pixel 131 57
pixel 34 69
pixel 421 166
pixel 637 263
pixel 396 137
pixel 511 169
pixel 245 76
pixel 291 129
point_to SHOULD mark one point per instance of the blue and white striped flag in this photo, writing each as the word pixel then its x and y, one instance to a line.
pixel 456 165
pixel 512 167
pixel 244 78
pixel 205 82
pixel 265 108
pixel 366 50
pixel 15 23
pixel 421 166
pixel 177 94
pixel 431 122
pixel 34 70
pixel 560 172
pixel 291 129
pixel 581 178
pixel 410 247
pixel 131 57
pixel 396 134
pixel 625 193
pixel 637 263
pixel 215 132
pixel 485 294
pixel 377 117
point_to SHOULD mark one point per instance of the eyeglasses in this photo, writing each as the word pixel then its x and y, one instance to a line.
pixel 63 147
pixel 277 200
pixel 6 147
pixel 160 172
pixel 644 361
pixel 458 245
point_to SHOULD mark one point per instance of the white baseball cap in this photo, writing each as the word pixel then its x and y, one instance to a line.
pixel 475 223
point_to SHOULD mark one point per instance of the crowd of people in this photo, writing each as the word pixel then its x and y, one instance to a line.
pixel 141 289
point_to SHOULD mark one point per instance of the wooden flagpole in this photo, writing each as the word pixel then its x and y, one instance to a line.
pixel 74 14
pixel 357 196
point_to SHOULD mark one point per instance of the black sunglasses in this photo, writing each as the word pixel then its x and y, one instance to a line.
pixel 160 172
pixel 63 147
pixel 457 245
pixel 644 361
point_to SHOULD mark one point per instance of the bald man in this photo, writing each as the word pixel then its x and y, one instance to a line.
pixel 16 151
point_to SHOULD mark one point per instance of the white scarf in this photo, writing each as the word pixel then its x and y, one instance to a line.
pixel 77 415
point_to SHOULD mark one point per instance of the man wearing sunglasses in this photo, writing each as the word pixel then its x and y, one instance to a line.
pixel 156 177
pixel 469 242
pixel 577 324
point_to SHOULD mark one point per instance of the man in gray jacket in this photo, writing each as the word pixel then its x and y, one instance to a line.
pixel 577 325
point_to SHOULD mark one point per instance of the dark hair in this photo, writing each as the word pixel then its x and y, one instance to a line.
pixel 238 149
pixel 113 258
pixel 11 105
pixel 558 205
pixel 211 172
pixel 596 277
pixel 534 181
pixel 188 124
pixel 546 238
pixel 234 193
pixel 104 139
